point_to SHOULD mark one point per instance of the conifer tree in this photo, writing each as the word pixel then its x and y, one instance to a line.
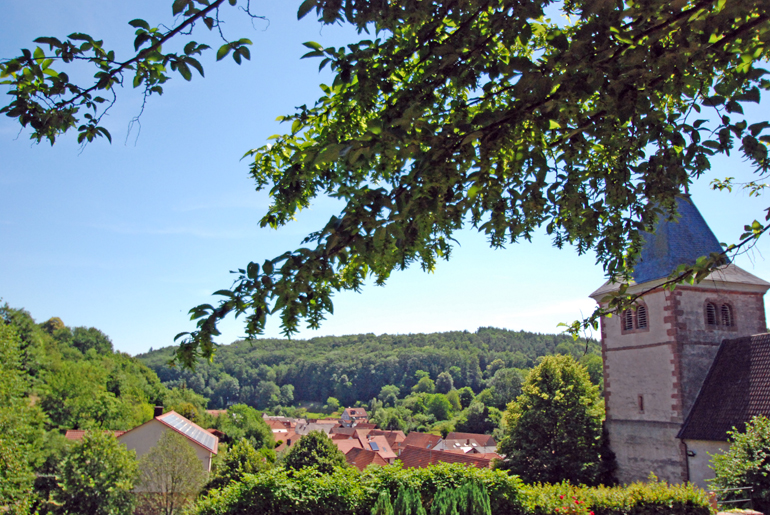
pixel 444 503
pixel 472 499
pixel 383 506
pixel 408 502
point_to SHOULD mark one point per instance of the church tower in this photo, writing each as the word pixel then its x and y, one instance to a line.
pixel 657 356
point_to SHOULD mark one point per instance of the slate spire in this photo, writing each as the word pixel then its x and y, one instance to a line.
pixel 675 242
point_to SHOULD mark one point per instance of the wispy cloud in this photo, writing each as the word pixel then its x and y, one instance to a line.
pixel 253 201
pixel 196 232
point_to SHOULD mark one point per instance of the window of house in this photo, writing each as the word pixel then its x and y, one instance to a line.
pixel 641 317
pixel 719 315
pixel 634 319
pixel 628 320
pixel 727 315
pixel 711 313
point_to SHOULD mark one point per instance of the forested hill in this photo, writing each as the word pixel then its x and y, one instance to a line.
pixel 266 372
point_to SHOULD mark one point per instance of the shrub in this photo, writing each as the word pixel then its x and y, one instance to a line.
pixel 651 498
pixel 747 462
pixel 408 502
pixel 349 492
pixel 383 505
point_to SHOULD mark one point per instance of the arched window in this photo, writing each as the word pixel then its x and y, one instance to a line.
pixel 634 319
pixel 641 317
pixel 711 313
pixel 726 313
pixel 628 320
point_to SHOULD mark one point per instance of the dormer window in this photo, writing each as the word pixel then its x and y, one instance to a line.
pixel 634 320
pixel 719 315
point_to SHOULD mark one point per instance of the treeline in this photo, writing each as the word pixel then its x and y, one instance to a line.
pixel 54 378
pixel 265 373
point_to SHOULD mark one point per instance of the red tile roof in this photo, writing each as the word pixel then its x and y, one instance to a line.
pixel 289 439
pixel 189 429
pixel 481 439
pixel 361 458
pixel 416 457
pixel 347 445
pixel 77 434
pixel 392 436
pixel 422 440
pixel 381 446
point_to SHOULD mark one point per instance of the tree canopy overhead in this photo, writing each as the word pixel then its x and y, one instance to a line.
pixel 485 112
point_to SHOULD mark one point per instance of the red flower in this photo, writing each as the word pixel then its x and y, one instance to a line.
pixel 561 497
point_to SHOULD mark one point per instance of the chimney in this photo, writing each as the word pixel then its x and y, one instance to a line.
pixel 158 411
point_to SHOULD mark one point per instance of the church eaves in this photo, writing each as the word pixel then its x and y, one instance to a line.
pixel 675 242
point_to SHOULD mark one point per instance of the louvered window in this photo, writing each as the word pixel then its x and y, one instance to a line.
pixel 711 314
pixel 726 315
pixel 641 317
pixel 628 320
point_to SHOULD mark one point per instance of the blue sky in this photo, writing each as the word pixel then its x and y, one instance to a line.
pixel 127 237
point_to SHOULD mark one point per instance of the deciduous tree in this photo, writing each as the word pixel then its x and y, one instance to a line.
pixel 482 113
pixel 171 475
pixel 554 427
pixel 97 477
pixel 747 463
pixel 315 449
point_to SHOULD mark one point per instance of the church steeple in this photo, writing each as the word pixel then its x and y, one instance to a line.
pixel 675 242
pixel 656 356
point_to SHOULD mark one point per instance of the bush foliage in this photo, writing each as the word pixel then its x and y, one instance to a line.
pixel 350 492
pixel 747 463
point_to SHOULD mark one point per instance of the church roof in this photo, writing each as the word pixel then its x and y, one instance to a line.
pixel 675 242
pixel 736 388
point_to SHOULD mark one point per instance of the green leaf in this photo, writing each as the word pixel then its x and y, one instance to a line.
pixel 305 8
pixel 185 71
pixel 52 42
pixel 195 64
pixel 223 51
pixel 139 23
pixel 313 45
pixel 179 6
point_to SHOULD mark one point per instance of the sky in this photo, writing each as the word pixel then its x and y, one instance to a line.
pixel 128 236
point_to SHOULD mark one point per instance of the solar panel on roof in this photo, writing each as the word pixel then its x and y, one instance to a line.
pixel 190 430
pixel 374 446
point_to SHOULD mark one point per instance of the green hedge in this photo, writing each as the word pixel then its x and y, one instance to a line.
pixel 349 492
pixel 650 498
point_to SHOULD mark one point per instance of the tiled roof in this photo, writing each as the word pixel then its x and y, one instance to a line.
pixel 676 242
pixel 392 436
pixel 356 412
pixel 422 440
pixel 346 445
pixel 289 439
pixel 481 439
pixel 416 457
pixel 77 434
pixel 341 430
pixel 736 388
pixel 380 445
pixel 191 430
pixel 361 458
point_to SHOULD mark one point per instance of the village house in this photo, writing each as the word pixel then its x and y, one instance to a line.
pixel 143 438
pixel 353 416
